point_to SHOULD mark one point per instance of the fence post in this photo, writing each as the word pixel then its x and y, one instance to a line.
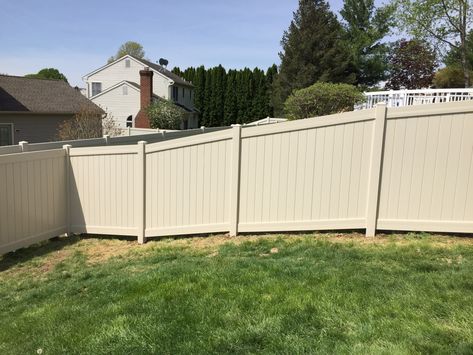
pixel 67 148
pixel 23 146
pixel 377 148
pixel 235 180
pixel 141 197
pixel 106 138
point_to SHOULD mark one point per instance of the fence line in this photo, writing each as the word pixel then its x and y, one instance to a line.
pixel 390 169
pixel 151 136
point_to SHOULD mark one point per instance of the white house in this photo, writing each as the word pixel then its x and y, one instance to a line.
pixel 116 88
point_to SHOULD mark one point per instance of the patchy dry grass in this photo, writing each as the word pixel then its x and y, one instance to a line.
pixel 296 293
pixel 100 249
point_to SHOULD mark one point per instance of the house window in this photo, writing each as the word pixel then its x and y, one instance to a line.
pixel 125 90
pixel 175 93
pixel 6 134
pixel 129 121
pixel 96 88
pixel 127 63
pixel 183 92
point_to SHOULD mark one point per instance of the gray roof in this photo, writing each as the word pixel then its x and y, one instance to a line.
pixel 174 77
pixel 20 94
pixel 160 98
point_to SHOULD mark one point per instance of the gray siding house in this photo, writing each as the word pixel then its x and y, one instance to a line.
pixel 33 109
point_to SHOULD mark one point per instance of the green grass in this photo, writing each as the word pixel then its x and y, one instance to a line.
pixel 312 294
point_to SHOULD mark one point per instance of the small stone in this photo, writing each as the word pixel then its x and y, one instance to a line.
pixel 274 250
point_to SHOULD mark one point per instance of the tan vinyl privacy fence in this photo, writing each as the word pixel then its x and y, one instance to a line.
pixel 391 169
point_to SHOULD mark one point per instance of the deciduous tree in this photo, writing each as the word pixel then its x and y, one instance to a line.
pixel 412 65
pixel 444 22
pixel 48 73
pixel 133 48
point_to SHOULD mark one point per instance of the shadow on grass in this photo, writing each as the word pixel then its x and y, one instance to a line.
pixel 56 244
pixel 40 249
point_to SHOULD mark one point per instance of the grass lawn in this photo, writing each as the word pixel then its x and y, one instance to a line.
pixel 292 294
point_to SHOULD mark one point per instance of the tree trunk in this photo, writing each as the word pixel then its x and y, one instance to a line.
pixel 463 42
pixel 465 67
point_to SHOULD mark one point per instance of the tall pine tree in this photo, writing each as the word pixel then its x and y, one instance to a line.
pixel 365 28
pixel 312 51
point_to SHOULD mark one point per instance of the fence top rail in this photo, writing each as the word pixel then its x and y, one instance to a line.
pixel 27 156
pixel 103 150
pixel 420 91
pixel 430 109
pixel 315 122
pixel 189 141
pixel 10 149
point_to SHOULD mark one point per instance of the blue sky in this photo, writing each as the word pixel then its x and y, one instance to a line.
pixel 77 36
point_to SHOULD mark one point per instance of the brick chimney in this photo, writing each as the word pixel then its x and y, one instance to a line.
pixel 146 93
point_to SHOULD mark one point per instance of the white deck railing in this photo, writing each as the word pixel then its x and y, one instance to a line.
pixel 399 98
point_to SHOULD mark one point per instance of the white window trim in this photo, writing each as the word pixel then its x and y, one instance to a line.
pixel 92 88
pixel 12 125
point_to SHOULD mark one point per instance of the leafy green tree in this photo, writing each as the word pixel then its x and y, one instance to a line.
pixel 133 48
pixel 365 28
pixel 453 56
pixel 450 77
pixel 443 22
pixel 164 114
pixel 312 50
pixel 48 73
pixel 412 65
pixel 322 99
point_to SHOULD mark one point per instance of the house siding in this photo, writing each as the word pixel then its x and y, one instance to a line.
pixel 120 106
pixel 118 72
pixel 34 128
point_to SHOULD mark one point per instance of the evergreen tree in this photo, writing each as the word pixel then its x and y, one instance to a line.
pixel 271 76
pixel 207 114
pixel 231 104
pixel 260 94
pixel 236 96
pixel 365 28
pixel 199 89
pixel 312 50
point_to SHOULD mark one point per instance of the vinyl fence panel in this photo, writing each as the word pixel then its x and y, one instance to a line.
pixel 427 175
pixel 188 185
pixel 405 168
pixel 103 190
pixel 32 198
pixel 304 179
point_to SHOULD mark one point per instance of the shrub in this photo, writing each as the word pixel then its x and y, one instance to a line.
pixel 322 99
pixel 88 123
pixel 164 114
pixel 450 77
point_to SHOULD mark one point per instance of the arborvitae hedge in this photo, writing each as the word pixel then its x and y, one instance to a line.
pixel 234 96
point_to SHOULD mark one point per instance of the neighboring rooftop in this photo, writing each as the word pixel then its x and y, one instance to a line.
pixel 20 94
pixel 174 77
